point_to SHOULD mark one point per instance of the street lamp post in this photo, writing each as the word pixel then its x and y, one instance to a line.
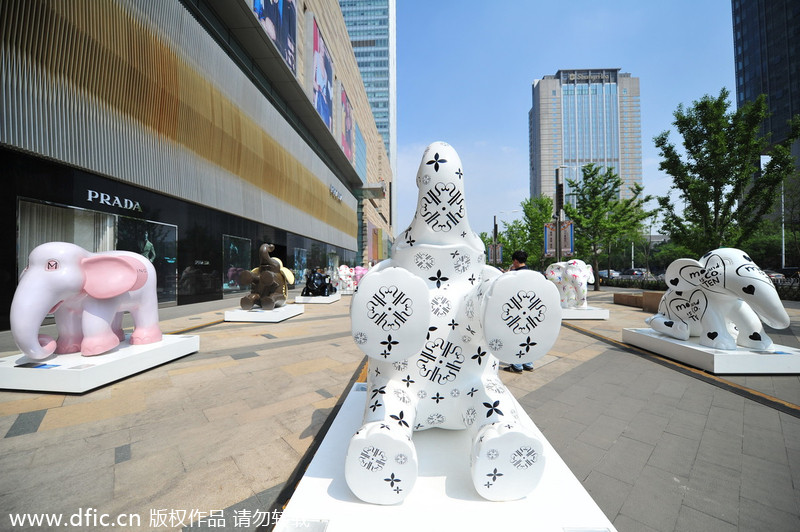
pixel 494 236
pixel 559 204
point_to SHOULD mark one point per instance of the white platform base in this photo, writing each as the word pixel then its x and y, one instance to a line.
pixel 588 313
pixel 780 360
pixel 265 316
pixel 336 296
pixel 73 373
pixel 443 497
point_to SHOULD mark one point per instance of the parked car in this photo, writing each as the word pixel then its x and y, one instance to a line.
pixel 603 274
pixel 775 276
pixel 636 273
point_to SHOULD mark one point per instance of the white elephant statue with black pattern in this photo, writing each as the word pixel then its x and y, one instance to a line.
pixel 723 299
pixel 434 320
pixel 572 278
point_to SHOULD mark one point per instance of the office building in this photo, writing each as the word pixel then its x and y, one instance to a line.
pixel 767 58
pixel 371 25
pixel 198 129
pixel 580 117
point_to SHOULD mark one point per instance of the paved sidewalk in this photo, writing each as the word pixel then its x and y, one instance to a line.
pixel 219 432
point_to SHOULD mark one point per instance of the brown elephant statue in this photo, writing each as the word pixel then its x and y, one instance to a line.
pixel 269 282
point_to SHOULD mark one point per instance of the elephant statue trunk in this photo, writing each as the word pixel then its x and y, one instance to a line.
pixel 33 302
pixel 26 318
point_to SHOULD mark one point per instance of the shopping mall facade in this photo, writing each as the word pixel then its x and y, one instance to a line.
pixel 191 132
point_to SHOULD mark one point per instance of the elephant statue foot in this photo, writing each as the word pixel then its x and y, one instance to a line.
pixel 99 344
pixel 146 335
pixel 65 344
pixel 248 301
pixel 507 462
pixel 381 463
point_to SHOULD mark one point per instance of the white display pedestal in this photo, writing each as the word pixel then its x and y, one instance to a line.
pixel 588 313
pixel 443 497
pixel 73 373
pixel 336 296
pixel 780 360
pixel 265 316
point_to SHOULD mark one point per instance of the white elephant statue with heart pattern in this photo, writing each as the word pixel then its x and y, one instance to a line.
pixel 722 299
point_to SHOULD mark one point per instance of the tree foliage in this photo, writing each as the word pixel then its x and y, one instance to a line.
pixel 714 175
pixel 599 215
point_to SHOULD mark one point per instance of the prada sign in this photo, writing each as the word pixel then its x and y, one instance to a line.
pixel 113 201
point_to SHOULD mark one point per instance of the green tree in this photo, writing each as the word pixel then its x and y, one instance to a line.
pixel 599 215
pixel 714 178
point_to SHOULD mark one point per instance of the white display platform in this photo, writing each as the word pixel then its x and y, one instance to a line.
pixel 443 498
pixel 336 296
pixel 588 313
pixel 780 360
pixel 73 373
pixel 265 316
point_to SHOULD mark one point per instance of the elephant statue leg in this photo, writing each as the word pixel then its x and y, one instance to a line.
pixel 248 301
pixel 116 326
pixel 70 333
pixel 715 328
pixel 507 461
pixel 98 337
pixel 676 328
pixel 751 330
pixel 381 462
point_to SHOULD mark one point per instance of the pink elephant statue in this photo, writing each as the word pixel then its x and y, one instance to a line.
pixel 87 293
pixel 359 273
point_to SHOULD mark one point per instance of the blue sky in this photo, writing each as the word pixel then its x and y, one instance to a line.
pixel 465 70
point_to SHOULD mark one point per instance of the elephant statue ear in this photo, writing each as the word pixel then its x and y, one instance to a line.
pixel 683 274
pixel 107 276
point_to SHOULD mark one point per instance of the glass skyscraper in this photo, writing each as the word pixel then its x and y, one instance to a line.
pixel 371 25
pixel 767 54
pixel 580 117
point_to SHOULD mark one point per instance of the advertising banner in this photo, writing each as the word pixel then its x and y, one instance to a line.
pixel 279 20
pixel 567 239
pixel 322 93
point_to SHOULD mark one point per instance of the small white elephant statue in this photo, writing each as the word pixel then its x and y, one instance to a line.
pixel 434 320
pixel 723 299
pixel 87 293
pixel 572 278
pixel 347 282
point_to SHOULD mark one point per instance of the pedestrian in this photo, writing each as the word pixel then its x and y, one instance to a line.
pixel 518 259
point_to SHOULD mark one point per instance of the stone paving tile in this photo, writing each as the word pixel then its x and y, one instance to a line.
pixel 714 490
pixel 769 483
pixel 721 448
pixel 765 444
pixel 675 454
pixel 625 460
pixel 623 523
pixel 686 424
pixel 646 427
pixel 608 492
pixel 757 517
pixel 603 432
pixel 655 498
pixel 692 520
